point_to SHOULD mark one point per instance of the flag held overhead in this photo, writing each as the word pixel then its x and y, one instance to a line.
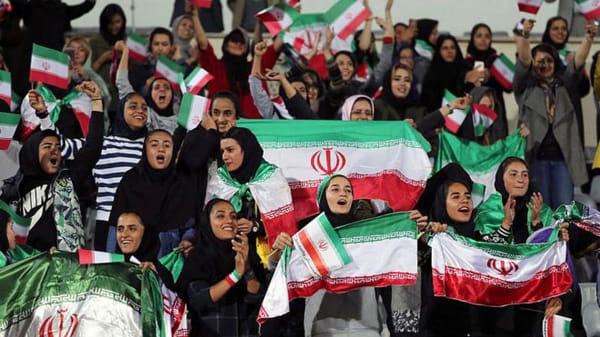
pixel 278 17
pixel 49 66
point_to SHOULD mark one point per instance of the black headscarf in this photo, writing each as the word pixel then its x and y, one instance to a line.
pixel 546 37
pixel 29 162
pixel 212 259
pixel 519 226
pixel 105 18
pixel 487 55
pixel 120 127
pixel 253 153
pixel 237 66
pixel 433 199
pixel 400 104
pixel 4 217
pixel 335 220
pixel 352 58
pixel 168 110
pixel 424 29
pixel 442 75
pixel 149 247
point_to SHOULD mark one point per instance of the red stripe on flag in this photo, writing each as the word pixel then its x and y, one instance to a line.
pixel 278 221
pixel 550 326
pixel 498 76
pixel 312 252
pixel 194 90
pixel 36 75
pixel 84 121
pixel 528 8
pixel 137 56
pixel 477 288
pixel 592 15
pixel 4 143
pixel 85 256
pixel 308 287
pixel 352 25
pixel 400 192
pixel 20 240
pixel 6 99
pixel 452 125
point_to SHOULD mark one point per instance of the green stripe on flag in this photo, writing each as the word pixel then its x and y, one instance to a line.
pixel 5 76
pixel 138 38
pixel 170 64
pixel 9 118
pixel 339 248
pixel 514 251
pixel 388 226
pixel 337 9
pixel 309 133
pixel 48 53
pixel 507 62
pixel 14 216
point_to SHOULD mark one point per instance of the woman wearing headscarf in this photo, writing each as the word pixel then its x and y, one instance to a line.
pixel 159 96
pixel 556 34
pixel 185 42
pixel 112 29
pixel 222 277
pixel 357 108
pixel 232 70
pixel 480 49
pixel 510 216
pixel 255 188
pixel 554 150
pixel 45 191
pixel 443 73
pixel 447 202
pixel 10 251
pixel 154 190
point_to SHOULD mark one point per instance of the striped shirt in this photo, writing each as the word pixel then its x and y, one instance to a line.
pixel 117 157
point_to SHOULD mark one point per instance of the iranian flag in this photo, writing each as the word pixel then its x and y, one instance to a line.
pixel 197 79
pixel 49 66
pixel 590 9
pixel 530 6
pixel 588 219
pixel 383 252
pixel 386 160
pixel 321 247
pixel 137 47
pixel 70 299
pixel 480 161
pixel 5 87
pixel 96 257
pixel 483 117
pixel 346 16
pixel 174 308
pixel 202 3
pixel 15 101
pixel 424 49
pixel 82 108
pixel 493 274
pixel 503 71
pixel 455 119
pixel 556 326
pixel 293 3
pixel 8 126
pixel 278 17
pixel 20 224
pixel 302 33
pixel 169 70
pixel 191 110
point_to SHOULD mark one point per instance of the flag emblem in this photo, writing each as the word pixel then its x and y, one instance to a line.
pixel 503 268
pixel 327 161
pixel 46 66
pixel 59 325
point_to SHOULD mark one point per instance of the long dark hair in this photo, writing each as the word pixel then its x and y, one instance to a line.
pixel 105 18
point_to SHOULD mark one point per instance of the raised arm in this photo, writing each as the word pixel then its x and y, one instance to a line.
pixel 200 33
pixel 586 44
pixel 364 41
pixel 522 42
pixel 122 79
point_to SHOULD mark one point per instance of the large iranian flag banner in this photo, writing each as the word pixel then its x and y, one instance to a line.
pixel 52 295
pixel 382 251
pixel 480 161
pixel 383 160
pixel 493 274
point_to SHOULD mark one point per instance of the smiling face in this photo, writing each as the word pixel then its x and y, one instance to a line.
pixel 162 93
pixel 223 221
pixel 159 150
pixel 401 82
pixel 79 52
pixel 130 232
pixel 233 155
pixel 136 112
pixel 49 155
pixel 558 31
pixel 339 195
pixel 459 205
pixel 448 51
pixel 185 29
pixel 543 65
pixel 482 38
pixel 345 65
pixel 516 179
pixel 223 113
pixel 361 111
